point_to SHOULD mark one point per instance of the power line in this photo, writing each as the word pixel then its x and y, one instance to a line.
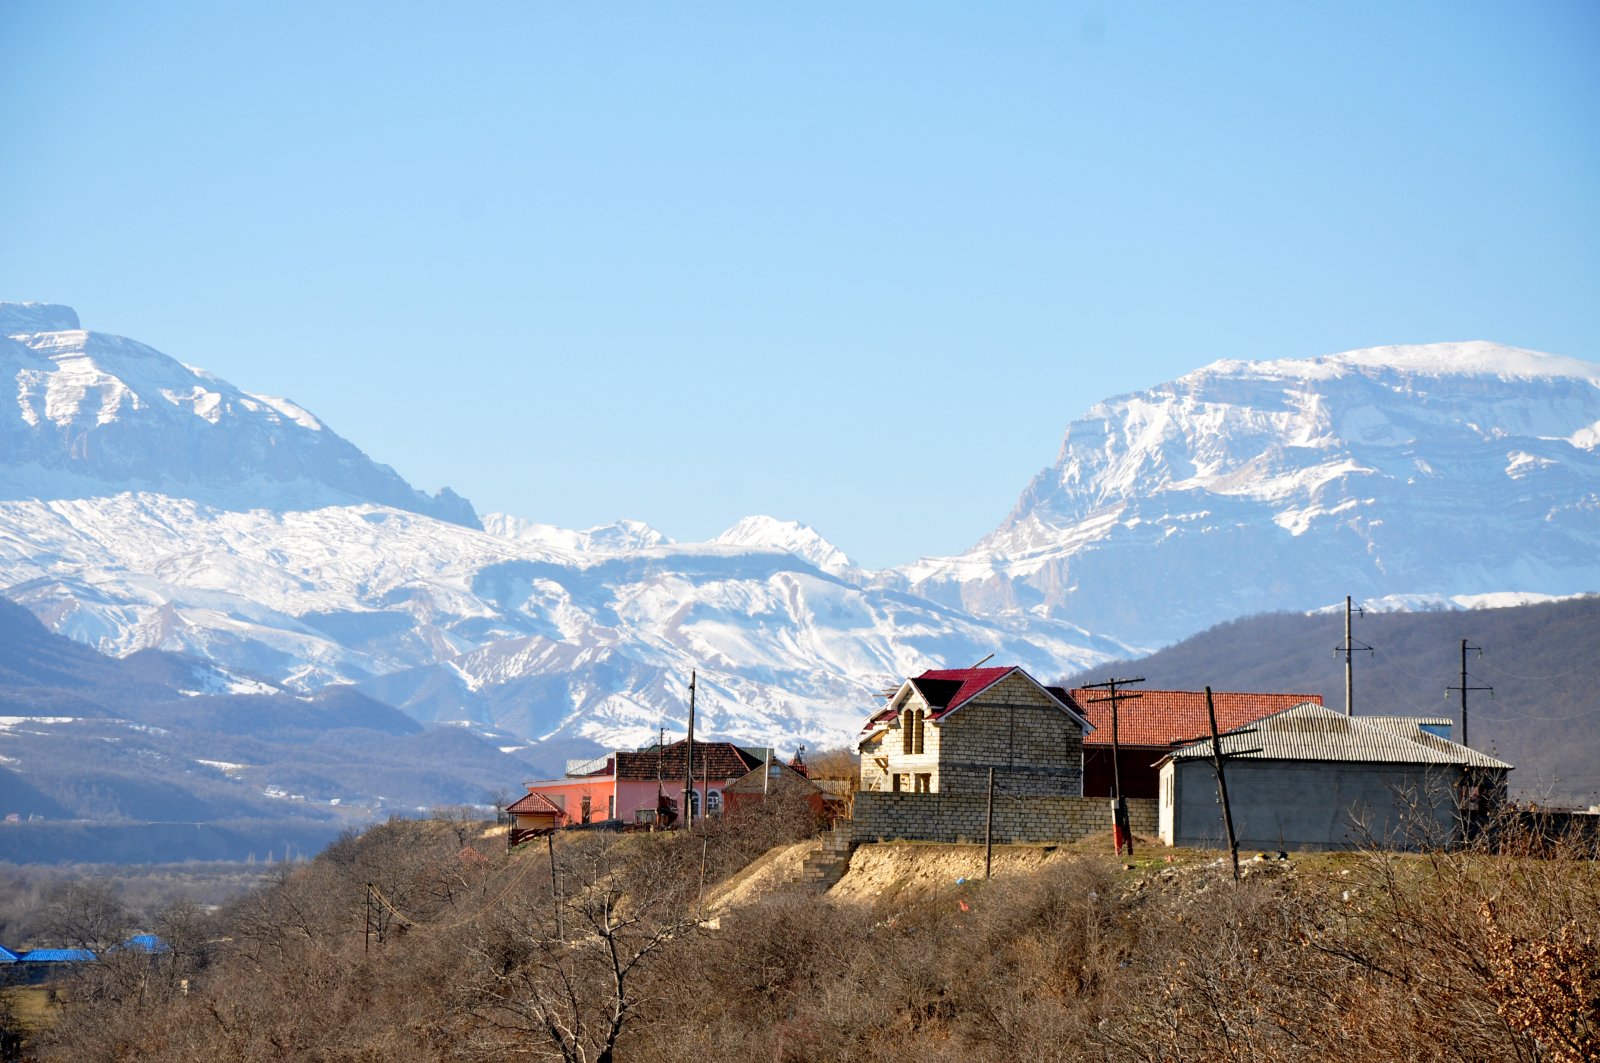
pixel 1463 688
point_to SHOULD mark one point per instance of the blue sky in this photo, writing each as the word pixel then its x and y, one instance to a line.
pixel 855 265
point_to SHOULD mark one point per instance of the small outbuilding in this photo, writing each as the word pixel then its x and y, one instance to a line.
pixel 1312 778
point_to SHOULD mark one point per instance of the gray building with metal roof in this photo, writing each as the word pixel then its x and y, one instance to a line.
pixel 1312 778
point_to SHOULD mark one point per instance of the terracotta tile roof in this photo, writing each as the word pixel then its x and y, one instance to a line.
pixel 719 760
pixel 533 804
pixel 1160 717
pixel 1312 732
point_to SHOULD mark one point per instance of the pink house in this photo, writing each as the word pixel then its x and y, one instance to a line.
pixel 635 787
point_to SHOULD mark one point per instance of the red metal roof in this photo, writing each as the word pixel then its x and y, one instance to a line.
pixel 533 804
pixel 947 689
pixel 1157 718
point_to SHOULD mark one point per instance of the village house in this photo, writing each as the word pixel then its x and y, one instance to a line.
pixel 776 777
pixel 635 786
pixel 1308 777
pixel 1150 723
pixel 944 730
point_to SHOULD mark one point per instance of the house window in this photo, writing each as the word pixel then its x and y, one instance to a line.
pixel 584 804
pixel 896 784
pixel 559 800
pixel 907 728
pixel 611 807
pixel 921 720
pixel 694 803
pixel 924 782
pixel 714 803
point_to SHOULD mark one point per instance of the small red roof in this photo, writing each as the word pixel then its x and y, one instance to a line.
pixel 533 804
pixel 1158 718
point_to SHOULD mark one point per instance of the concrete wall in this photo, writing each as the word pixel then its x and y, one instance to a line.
pixel 1307 805
pixel 959 817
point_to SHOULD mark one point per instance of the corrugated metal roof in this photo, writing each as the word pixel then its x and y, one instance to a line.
pixel 57 956
pixel 1313 732
pixel 7 956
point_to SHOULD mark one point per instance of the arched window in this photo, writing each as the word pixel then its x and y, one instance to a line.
pixel 907 729
pixel 694 803
pixel 714 803
pixel 921 720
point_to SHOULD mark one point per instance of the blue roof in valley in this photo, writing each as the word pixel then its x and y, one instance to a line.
pixel 56 956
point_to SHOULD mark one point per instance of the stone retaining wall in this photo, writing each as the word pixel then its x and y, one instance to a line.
pixel 959 817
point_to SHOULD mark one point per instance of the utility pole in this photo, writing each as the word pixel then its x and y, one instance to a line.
pixel 1217 757
pixel 1121 829
pixel 688 772
pixel 1348 647
pixel 1463 688
pixel 988 827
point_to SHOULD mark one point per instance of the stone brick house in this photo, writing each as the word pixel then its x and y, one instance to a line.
pixel 942 731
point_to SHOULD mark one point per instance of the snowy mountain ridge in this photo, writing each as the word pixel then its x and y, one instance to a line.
pixel 96 414
pixel 1251 486
pixel 144 503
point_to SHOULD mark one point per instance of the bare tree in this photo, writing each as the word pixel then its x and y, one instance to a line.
pixel 565 966
pixel 86 915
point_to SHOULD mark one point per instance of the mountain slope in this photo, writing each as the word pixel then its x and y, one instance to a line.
pixel 148 739
pixel 96 414
pixel 1446 469
pixel 1542 660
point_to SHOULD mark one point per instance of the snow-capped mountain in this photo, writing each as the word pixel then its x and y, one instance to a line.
pixel 96 414
pixel 1439 471
pixel 147 504
pixel 801 540
pixel 450 623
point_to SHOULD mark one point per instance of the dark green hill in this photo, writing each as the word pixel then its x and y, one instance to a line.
pixel 1543 662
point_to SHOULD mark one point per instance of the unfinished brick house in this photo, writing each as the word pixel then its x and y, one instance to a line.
pixel 943 731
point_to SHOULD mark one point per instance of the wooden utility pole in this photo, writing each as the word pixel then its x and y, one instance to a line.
pixel 1217 757
pixel 688 773
pixel 1463 688
pixel 1349 646
pixel 1121 828
pixel 988 828
pixel 555 884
